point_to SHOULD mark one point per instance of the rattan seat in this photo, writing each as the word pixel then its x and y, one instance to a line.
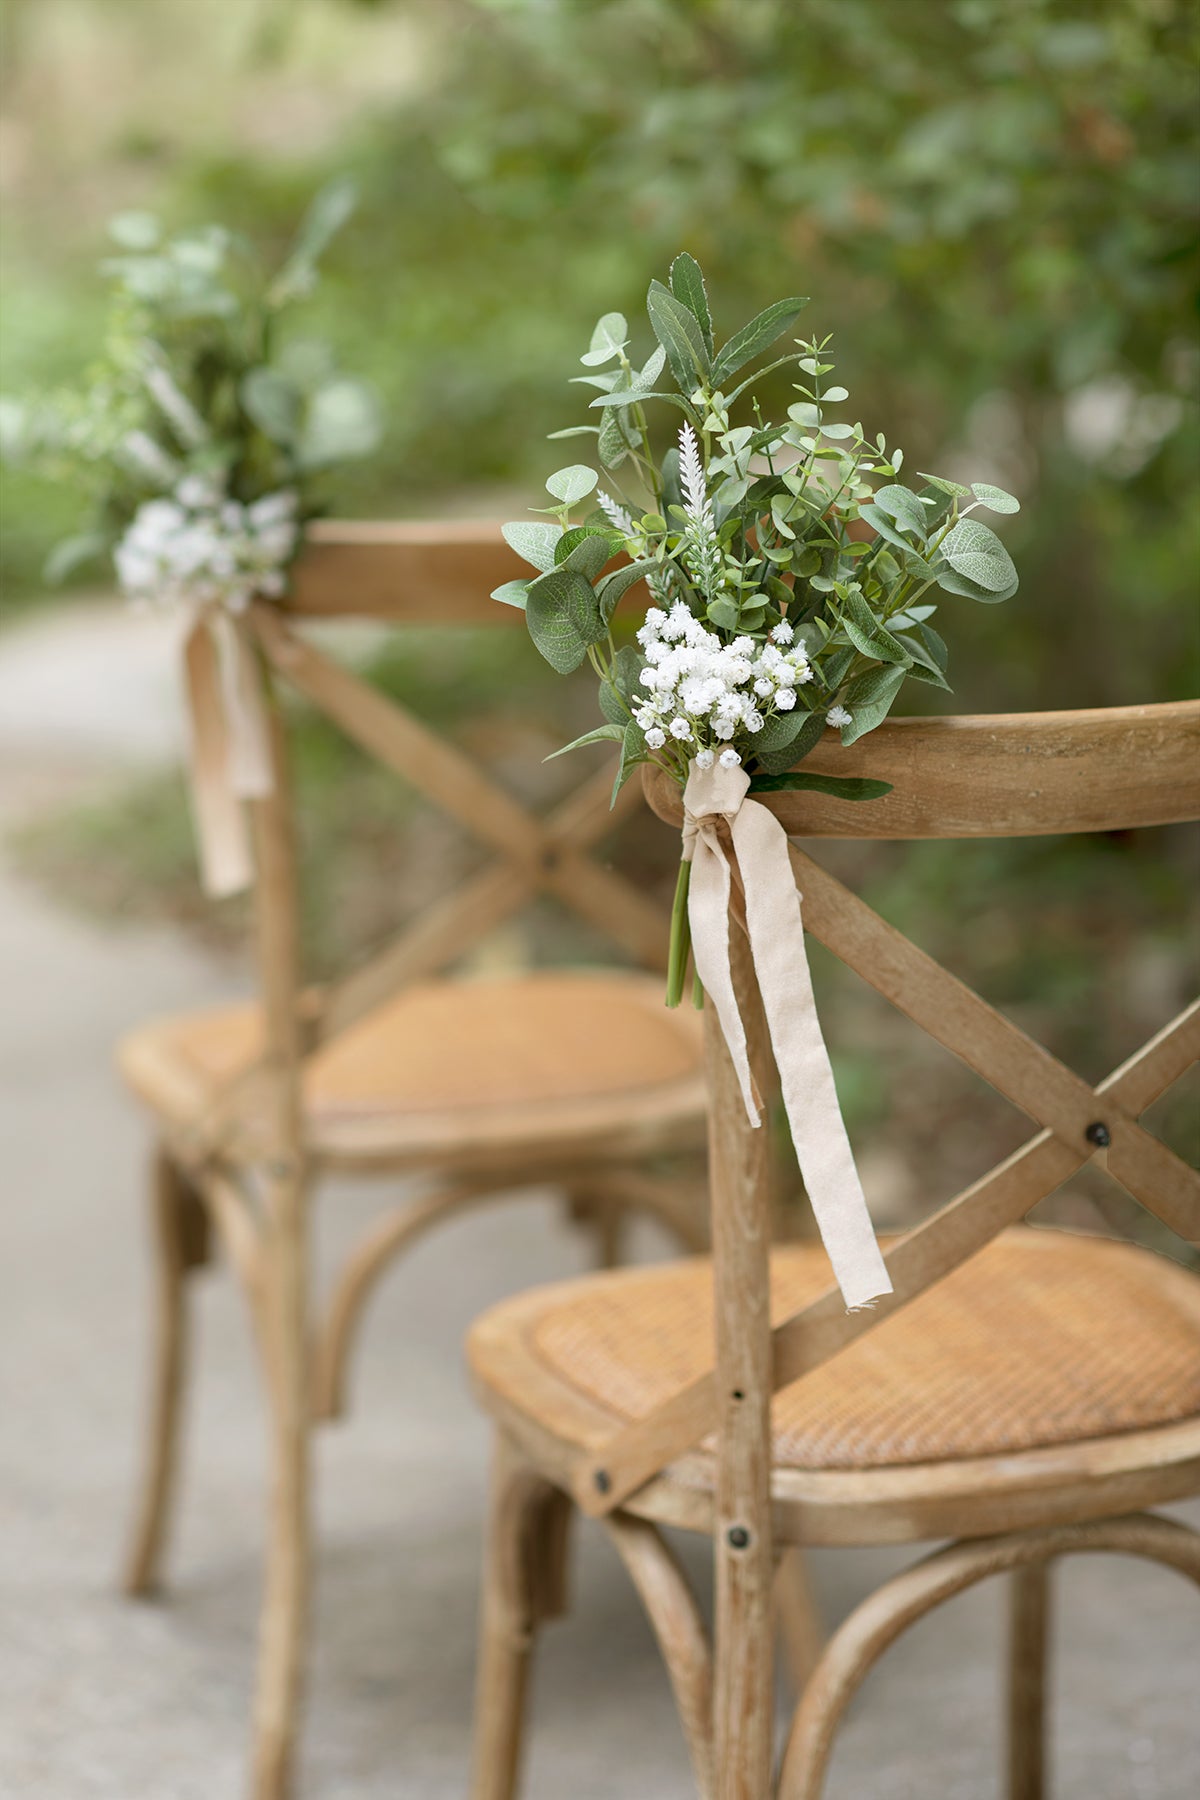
pixel 1043 1341
pixel 480 1060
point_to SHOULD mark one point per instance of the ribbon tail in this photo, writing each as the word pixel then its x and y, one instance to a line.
pixel 249 745
pixel 708 917
pixel 776 928
pixel 226 866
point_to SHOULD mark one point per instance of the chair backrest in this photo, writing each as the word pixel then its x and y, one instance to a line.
pixel 966 777
pixel 986 776
pixel 407 574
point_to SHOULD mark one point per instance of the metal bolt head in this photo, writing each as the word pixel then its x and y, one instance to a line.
pixel 737 1537
pixel 602 1481
pixel 1098 1134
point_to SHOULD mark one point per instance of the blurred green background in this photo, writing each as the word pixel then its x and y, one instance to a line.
pixel 993 204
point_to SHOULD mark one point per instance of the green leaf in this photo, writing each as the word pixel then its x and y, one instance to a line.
pixel 973 550
pixel 902 505
pixel 934 643
pixel 842 787
pixel 994 498
pixel 68 556
pixel 570 431
pixel 924 667
pixel 724 613
pixel 783 756
pixel 611 706
pixel 880 522
pixel 867 634
pixel 615 438
pixel 535 540
pixel 678 331
pixel 687 285
pixel 615 585
pixel 512 593
pixel 572 484
pixel 563 618
pixel 603 734
pixel 329 211
pixel 134 230
pixel 633 751
pixel 608 340
pixel 756 336
pixel 342 422
pixel 952 583
pixel 954 488
pixel 869 699
pixel 275 404
pixel 585 550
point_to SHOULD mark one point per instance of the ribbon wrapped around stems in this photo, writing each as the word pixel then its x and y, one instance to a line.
pixel 230 746
pixel 775 929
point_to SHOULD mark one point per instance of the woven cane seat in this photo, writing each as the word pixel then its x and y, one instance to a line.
pixel 541 1054
pixel 1043 1340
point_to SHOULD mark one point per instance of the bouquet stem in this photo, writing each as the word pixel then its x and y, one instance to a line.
pixel 681 937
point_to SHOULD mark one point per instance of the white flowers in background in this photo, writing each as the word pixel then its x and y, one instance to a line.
pixel 700 549
pixel 837 716
pixel 200 548
pixel 702 693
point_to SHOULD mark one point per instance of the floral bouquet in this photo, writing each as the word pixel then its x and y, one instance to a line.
pixel 792 575
pixel 200 439
pixel 793 579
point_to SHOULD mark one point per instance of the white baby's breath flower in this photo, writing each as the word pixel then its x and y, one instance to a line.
pixel 785 699
pixel 680 728
pixel 838 716
pixel 656 738
pixel 782 633
pixel 730 759
pixel 704 759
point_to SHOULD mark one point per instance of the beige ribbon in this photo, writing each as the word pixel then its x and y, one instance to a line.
pixel 776 931
pixel 230 747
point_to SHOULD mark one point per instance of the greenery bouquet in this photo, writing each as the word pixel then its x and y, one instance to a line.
pixel 202 431
pixel 200 437
pixel 793 577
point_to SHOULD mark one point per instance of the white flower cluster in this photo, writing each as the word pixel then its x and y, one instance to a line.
pixel 199 548
pixel 701 693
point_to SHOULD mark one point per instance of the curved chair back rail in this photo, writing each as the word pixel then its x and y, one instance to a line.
pixel 997 775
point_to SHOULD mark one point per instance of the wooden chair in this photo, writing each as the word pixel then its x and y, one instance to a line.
pixel 480 1088
pixel 1025 1393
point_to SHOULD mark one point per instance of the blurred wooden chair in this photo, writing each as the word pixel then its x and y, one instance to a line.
pixel 578 1079
pixel 1024 1393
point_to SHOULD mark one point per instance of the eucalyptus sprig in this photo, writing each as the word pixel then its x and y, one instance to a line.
pixel 202 430
pixel 794 577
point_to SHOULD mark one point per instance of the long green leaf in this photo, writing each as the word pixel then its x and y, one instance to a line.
pixel 679 333
pixel 869 699
pixel 687 285
pixel 619 582
pixel 869 635
pixel 786 754
pixel 603 734
pixel 756 336
pixel 842 787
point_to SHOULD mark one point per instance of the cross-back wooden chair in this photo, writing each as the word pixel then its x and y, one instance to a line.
pixel 1024 1392
pixel 574 1078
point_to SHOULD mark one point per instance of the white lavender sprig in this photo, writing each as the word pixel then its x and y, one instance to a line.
pixel 700 550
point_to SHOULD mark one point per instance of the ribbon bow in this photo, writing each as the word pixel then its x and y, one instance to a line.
pixel 230 747
pixel 776 931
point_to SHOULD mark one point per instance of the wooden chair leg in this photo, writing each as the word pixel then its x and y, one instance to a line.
pixel 284 1621
pixel 1029 1612
pixel 524 1584
pixel 180 1244
pixel 801 1628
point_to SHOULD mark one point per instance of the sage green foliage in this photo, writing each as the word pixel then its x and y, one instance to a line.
pixel 776 537
pixel 195 377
